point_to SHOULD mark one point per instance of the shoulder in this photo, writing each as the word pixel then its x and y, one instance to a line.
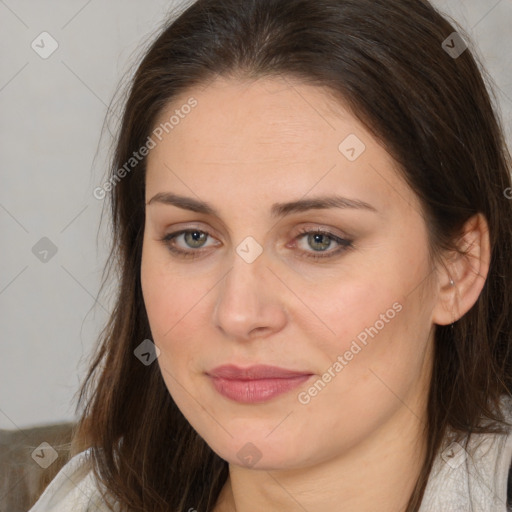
pixel 472 474
pixel 74 489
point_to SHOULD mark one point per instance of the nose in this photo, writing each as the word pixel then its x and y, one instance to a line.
pixel 250 301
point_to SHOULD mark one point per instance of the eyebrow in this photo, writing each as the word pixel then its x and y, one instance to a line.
pixel 278 209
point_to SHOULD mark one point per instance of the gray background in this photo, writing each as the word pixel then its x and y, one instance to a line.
pixel 52 157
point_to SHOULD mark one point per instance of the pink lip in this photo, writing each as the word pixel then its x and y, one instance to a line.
pixel 255 384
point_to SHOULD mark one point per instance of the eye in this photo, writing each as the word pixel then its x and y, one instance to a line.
pixel 321 241
pixel 194 238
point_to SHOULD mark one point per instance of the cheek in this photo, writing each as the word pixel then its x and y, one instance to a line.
pixel 176 305
pixel 374 361
pixel 171 299
pixel 374 313
pixel 167 305
pixel 344 306
pixel 367 328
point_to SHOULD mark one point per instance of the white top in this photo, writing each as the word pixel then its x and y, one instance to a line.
pixel 73 489
pixel 458 482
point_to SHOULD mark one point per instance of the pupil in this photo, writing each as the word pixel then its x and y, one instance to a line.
pixel 196 237
pixel 317 238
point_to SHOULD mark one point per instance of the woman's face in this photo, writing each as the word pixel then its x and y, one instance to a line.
pixel 340 294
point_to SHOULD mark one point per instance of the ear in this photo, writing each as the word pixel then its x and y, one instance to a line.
pixel 468 272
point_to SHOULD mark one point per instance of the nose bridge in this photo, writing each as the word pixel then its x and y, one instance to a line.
pixel 245 302
pixel 241 290
pixel 248 269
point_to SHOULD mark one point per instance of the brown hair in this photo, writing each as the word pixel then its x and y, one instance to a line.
pixel 431 111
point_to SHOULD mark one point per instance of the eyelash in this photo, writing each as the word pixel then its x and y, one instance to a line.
pixel 344 243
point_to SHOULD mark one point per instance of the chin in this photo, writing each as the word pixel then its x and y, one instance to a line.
pixel 258 452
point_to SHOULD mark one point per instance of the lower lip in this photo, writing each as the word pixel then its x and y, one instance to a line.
pixel 257 390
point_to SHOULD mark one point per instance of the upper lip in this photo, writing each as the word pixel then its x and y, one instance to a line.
pixel 260 371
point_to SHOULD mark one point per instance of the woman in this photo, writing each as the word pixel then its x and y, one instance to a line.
pixel 313 237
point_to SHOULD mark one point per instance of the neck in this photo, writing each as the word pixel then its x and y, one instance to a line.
pixel 381 470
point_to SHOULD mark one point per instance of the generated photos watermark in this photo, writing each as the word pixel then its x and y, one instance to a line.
pixel 305 397
pixel 151 142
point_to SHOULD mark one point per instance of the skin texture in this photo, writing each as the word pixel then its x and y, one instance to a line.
pixel 360 440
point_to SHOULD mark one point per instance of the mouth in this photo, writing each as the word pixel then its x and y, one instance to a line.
pixel 255 384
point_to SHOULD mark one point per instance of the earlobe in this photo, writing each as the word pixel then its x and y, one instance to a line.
pixel 466 270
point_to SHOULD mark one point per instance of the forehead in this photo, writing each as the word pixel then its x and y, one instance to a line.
pixel 268 116
pixel 271 135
